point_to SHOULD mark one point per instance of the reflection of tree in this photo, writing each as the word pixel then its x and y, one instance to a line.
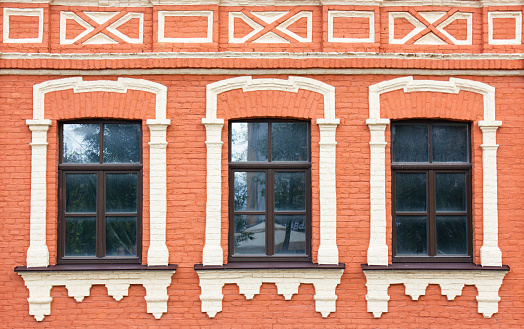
pixel 80 236
pixel 289 141
pixel 411 235
pixel 121 236
pixel 122 143
pixel 81 143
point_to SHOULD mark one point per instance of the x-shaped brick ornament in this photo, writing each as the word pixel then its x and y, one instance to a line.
pixel 431 27
pixel 99 27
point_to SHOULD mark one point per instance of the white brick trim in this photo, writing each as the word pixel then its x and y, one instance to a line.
pixel 36 12
pixel 376 254
pixel 370 15
pixel 451 283
pixel 37 254
pixel 328 251
pixel 204 13
pixel 517 15
pixel 79 283
pixel 287 281
pixel 378 281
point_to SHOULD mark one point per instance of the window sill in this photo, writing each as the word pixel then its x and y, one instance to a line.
pixel 287 276
pixel 78 280
pixel 451 277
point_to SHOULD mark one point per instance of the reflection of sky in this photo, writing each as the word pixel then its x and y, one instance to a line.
pixel 239 141
pixel 75 136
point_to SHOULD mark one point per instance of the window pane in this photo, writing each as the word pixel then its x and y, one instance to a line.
pixel 410 192
pixel 451 191
pixel 81 143
pixel 289 141
pixel 290 234
pixel 411 235
pixel 290 191
pixel 450 143
pixel 121 191
pixel 122 143
pixel 80 193
pixel 250 234
pixel 410 143
pixel 249 141
pixel 121 236
pixel 452 235
pixel 80 236
pixel 250 191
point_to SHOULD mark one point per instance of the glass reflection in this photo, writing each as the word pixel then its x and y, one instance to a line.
pixel 80 193
pixel 80 236
pixel 121 143
pixel 121 192
pixel 411 235
pixel 81 143
pixel 290 191
pixel 290 234
pixel 410 190
pixel 410 143
pixel 249 141
pixel 250 234
pixel 121 236
pixel 450 143
pixel 451 191
pixel 289 141
pixel 452 235
pixel 250 191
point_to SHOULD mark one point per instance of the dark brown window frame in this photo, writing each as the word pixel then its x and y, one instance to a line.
pixel 430 168
pixel 269 168
pixel 101 169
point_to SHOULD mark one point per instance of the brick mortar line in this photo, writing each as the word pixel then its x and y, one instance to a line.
pixel 132 72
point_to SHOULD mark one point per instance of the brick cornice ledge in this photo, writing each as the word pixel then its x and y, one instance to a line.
pixel 287 281
pixel 78 285
pixel 451 282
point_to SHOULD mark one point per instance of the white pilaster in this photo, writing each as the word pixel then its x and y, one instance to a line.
pixel 213 253
pixel 490 254
pixel 158 253
pixel 38 254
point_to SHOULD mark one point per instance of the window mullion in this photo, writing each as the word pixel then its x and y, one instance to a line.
pixel 432 221
pixel 270 211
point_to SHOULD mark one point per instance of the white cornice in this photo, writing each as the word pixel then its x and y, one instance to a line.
pixel 261 55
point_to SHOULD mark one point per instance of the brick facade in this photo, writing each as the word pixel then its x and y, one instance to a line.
pixel 185 69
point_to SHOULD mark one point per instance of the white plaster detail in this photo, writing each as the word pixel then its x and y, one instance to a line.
pixel 517 15
pixel 287 281
pixel 487 282
pixel 162 14
pixel 231 27
pixel 157 253
pixel 431 38
pixel 377 252
pixel 27 12
pixel 370 15
pixel 101 17
pixel 64 16
pixel 268 18
pixel 328 251
pixel 79 283
pixel 113 28
pixel 418 27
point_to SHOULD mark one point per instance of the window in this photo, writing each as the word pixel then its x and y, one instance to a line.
pixel 269 191
pixel 100 184
pixel 431 190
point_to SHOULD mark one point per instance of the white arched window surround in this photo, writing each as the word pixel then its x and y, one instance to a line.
pixel 38 279
pixel 287 280
pixel 451 281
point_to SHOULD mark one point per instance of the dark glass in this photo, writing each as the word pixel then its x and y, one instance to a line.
pixel 451 191
pixel 450 143
pixel 290 191
pixel 410 192
pixel 411 235
pixel 80 193
pixel 452 235
pixel 80 236
pixel 250 234
pixel 249 141
pixel 122 143
pixel 121 192
pixel 410 143
pixel 250 191
pixel 81 143
pixel 120 236
pixel 289 141
pixel 290 234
